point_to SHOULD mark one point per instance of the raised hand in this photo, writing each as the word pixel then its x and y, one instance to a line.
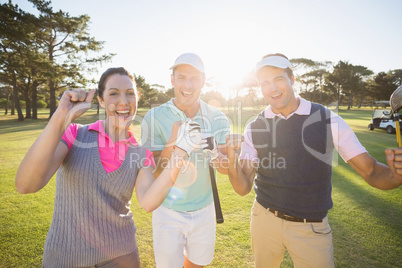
pixel 75 103
pixel 189 136
pixel 394 161
pixel 233 143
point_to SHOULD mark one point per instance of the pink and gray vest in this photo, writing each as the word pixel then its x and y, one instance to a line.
pixel 92 221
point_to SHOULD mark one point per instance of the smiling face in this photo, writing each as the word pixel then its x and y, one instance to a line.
pixel 120 101
pixel 187 82
pixel 276 87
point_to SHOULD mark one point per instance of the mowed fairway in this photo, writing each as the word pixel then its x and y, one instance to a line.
pixel 366 222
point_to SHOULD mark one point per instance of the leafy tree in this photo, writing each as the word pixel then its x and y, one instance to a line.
pixel 251 97
pixel 382 85
pixel 165 95
pixel 312 77
pixel 170 92
pixel 23 62
pixel 248 83
pixel 41 104
pixel 349 80
pixel 396 77
pixel 298 63
pixel 54 48
pixel 5 97
pixel 213 98
pixel 148 94
pixel 15 26
pixel 68 45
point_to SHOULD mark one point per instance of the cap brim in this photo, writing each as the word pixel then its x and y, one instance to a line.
pixel 275 61
pixel 178 64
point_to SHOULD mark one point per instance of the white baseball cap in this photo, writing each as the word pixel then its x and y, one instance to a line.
pixel 190 59
pixel 276 61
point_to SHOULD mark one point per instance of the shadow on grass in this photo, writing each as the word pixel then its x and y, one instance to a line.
pixel 378 207
pixel 361 217
pixel 377 140
pixel 355 115
pixel 11 125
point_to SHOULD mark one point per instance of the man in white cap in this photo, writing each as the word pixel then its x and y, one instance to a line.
pixel 184 225
pixel 287 154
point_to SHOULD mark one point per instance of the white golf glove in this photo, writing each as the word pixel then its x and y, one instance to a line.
pixel 210 147
pixel 189 136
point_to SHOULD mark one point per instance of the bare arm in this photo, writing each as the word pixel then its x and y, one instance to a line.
pixel 163 157
pixel 241 173
pixel 377 174
pixel 150 192
pixel 241 176
pixel 47 152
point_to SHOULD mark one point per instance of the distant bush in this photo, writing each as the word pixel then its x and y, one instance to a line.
pixel 41 104
pixel 48 103
pixel 41 97
pixel 3 102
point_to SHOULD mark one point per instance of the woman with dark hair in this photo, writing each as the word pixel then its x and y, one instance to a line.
pixel 99 166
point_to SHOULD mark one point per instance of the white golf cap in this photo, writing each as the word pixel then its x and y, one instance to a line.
pixel 276 61
pixel 190 59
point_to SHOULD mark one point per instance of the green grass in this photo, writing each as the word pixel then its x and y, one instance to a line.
pixel 366 222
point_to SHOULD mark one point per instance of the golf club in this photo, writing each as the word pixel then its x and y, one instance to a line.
pixel 396 104
pixel 218 210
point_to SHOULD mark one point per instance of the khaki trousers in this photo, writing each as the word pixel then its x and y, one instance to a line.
pixel 308 244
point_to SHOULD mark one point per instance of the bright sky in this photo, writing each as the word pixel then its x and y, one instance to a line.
pixel 231 36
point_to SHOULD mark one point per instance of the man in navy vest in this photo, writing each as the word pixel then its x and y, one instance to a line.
pixel 287 153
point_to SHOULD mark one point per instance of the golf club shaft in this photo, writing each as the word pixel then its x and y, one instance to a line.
pixel 396 104
pixel 398 133
pixel 397 129
pixel 218 210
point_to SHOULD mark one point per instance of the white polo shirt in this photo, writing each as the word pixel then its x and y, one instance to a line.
pixel 344 139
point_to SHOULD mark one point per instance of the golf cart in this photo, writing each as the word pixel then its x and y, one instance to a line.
pixel 384 119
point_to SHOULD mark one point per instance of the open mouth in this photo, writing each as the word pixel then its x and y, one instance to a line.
pixel 187 93
pixel 276 96
pixel 123 114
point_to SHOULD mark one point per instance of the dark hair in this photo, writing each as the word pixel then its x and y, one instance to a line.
pixel 110 72
pixel 288 71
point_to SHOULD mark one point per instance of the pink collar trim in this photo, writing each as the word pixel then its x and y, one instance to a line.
pixel 98 126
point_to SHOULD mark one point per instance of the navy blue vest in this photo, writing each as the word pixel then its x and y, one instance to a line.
pixel 294 173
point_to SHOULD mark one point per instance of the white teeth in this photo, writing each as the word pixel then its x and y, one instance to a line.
pixel 187 93
pixel 122 112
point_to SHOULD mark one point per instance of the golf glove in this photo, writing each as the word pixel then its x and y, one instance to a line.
pixel 210 147
pixel 189 136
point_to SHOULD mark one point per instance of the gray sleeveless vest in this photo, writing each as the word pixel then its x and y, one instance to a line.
pixel 295 168
pixel 92 221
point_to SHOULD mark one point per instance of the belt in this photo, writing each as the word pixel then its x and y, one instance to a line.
pixel 290 218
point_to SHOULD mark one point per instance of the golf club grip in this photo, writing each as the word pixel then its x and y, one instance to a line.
pixel 218 210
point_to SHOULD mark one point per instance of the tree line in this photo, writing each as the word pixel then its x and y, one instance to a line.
pixel 344 83
pixel 325 82
pixel 335 83
pixel 43 55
